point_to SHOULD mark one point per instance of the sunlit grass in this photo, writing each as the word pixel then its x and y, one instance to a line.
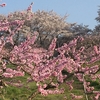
pixel 24 92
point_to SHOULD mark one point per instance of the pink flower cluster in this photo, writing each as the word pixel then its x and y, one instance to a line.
pixel 75 96
pixel 97 93
pixel 69 83
pixel 9 73
pixel 87 87
pixel 4 26
pixel 45 92
pixel 2 5
pixel 30 7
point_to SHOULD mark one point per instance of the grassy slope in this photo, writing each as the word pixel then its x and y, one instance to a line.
pixel 13 93
pixel 22 93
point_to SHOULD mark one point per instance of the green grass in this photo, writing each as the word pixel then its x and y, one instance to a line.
pixel 24 92
pixel 14 93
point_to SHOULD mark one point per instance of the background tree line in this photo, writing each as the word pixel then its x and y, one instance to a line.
pixel 50 25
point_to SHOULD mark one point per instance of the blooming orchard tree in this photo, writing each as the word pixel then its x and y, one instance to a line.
pixel 42 66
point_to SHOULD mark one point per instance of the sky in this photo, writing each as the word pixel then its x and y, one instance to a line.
pixel 79 11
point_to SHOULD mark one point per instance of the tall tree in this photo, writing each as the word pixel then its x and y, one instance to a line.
pixel 97 27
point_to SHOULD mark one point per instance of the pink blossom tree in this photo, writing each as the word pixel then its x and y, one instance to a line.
pixel 42 66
